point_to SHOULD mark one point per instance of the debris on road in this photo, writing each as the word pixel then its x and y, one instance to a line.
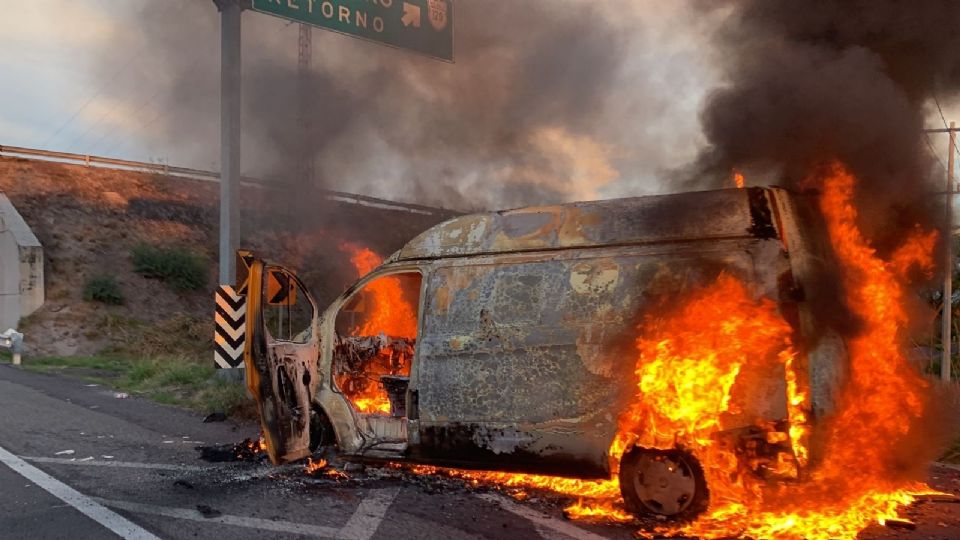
pixel 248 450
pixel 900 524
pixel 208 512
pixel 938 498
pixel 121 395
pixel 64 453
pixel 215 417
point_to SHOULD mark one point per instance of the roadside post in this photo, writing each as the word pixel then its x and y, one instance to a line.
pixel 230 17
pixel 13 341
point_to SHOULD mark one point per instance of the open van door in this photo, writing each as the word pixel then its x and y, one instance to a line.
pixel 283 341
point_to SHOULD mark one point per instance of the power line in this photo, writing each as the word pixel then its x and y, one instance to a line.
pixel 935 100
pixel 107 83
pixel 124 142
pixel 108 114
pixel 933 152
pixel 136 114
pixel 943 119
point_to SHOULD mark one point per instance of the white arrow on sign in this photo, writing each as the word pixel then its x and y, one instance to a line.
pixel 411 15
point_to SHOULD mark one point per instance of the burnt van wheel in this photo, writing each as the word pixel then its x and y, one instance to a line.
pixel 668 483
pixel 321 431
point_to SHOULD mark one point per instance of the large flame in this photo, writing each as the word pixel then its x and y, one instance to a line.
pixel 386 312
pixel 690 360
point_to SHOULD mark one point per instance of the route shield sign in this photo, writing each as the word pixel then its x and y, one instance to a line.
pixel 423 26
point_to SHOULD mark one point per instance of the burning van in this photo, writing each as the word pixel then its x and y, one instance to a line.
pixel 508 341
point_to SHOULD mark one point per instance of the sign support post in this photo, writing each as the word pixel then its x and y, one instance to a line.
pixel 230 12
pixel 230 17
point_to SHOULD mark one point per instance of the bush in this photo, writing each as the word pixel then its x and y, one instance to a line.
pixel 103 288
pixel 181 269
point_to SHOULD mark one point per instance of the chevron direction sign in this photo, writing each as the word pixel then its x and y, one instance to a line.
pixel 231 328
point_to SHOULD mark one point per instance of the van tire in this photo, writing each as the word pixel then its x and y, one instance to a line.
pixel 665 483
pixel 321 430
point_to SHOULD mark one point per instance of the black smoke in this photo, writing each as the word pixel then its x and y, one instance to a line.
pixel 809 82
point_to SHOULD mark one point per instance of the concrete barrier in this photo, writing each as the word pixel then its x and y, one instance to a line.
pixel 21 267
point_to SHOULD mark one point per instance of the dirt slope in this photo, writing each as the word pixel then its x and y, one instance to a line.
pixel 88 219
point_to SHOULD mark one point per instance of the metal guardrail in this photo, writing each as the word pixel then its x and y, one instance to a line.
pixel 210 176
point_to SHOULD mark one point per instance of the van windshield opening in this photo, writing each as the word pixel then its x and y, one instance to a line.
pixel 376 336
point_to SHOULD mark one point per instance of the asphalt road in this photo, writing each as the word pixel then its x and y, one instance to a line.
pixel 76 462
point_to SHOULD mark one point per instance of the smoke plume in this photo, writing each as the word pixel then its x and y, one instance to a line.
pixel 808 82
pixel 548 101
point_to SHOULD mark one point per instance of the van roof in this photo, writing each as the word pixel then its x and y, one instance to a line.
pixel 701 215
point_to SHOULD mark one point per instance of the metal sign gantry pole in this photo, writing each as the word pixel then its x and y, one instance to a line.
pixel 230 14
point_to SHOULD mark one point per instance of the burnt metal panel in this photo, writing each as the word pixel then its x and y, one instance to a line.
pixel 534 355
pixel 641 220
pixel 823 367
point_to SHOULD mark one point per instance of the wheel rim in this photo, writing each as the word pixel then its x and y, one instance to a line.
pixel 664 484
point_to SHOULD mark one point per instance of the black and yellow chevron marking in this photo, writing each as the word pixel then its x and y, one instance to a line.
pixel 230 330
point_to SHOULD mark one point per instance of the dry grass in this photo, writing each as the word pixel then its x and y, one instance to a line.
pixel 174 380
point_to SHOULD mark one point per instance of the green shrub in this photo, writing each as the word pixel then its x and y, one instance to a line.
pixel 184 374
pixel 103 288
pixel 141 371
pixel 181 269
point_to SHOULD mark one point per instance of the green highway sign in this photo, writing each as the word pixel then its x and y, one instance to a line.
pixel 423 26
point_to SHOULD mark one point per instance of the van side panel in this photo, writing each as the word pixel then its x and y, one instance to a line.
pixel 525 361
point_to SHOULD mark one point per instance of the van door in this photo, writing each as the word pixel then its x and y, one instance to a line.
pixel 507 377
pixel 280 357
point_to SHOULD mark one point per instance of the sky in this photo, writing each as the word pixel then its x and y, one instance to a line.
pixel 91 76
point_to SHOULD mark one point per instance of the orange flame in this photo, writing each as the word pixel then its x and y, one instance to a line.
pixel 387 312
pixel 373 404
pixel 884 394
pixel 738 179
pixel 314 466
pixel 390 313
pixel 260 445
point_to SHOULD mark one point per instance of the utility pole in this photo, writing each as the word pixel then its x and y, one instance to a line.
pixel 304 61
pixel 230 12
pixel 947 330
pixel 946 317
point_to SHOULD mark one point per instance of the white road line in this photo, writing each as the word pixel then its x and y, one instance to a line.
pixel 87 506
pixel 548 534
pixel 119 464
pixel 370 513
pixel 362 525
pixel 541 520
pixel 237 521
